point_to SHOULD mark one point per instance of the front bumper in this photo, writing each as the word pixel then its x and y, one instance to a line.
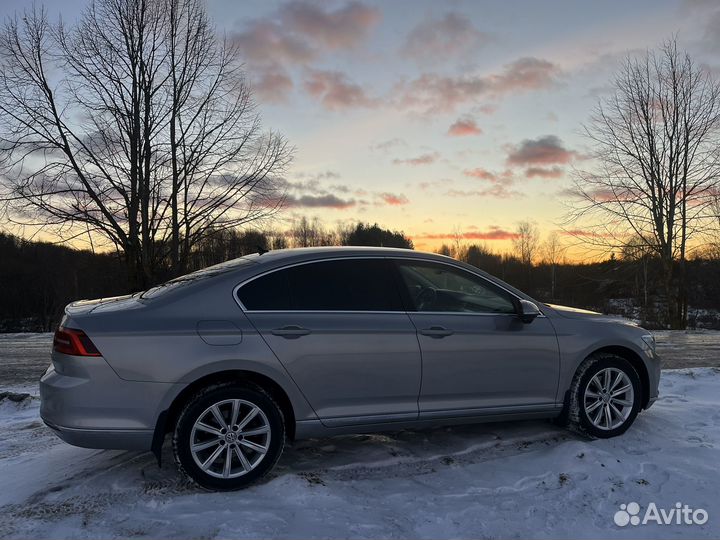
pixel 87 404
pixel 653 365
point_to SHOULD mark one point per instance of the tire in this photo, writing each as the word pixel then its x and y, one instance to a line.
pixel 590 402
pixel 205 436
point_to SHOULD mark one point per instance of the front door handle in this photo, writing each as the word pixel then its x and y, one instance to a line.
pixel 436 332
pixel 290 332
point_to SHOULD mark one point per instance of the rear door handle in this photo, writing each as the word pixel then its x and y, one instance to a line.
pixel 290 332
pixel 436 332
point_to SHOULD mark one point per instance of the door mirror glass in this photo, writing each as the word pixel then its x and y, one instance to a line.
pixel 528 311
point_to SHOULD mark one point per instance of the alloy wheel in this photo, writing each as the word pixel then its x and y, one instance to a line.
pixel 609 398
pixel 230 438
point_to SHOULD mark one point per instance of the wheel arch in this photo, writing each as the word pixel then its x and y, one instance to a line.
pixel 635 361
pixel 168 418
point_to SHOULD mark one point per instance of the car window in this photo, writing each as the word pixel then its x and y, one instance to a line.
pixel 268 292
pixel 439 287
pixel 340 285
pixel 199 275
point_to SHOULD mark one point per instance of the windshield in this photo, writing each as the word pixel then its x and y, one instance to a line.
pixel 205 273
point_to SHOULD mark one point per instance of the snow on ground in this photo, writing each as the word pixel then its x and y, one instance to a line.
pixel 527 479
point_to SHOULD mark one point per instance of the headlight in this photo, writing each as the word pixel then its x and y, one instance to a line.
pixel 649 340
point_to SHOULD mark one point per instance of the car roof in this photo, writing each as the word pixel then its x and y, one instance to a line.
pixel 310 253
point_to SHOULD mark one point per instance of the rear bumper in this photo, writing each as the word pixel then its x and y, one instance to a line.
pixel 87 404
pixel 96 438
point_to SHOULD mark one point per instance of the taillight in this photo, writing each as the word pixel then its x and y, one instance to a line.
pixel 73 342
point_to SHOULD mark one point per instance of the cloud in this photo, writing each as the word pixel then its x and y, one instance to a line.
pixel 432 92
pixel 547 150
pixel 504 178
pixel 319 201
pixel 393 200
pixel 482 174
pixel 463 127
pixel 384 146
pixel 267 42
pixel 439 38
pixel 492 233
pixel 335 91
pixel 587 233
pixel 525 74
pixel 297 34
pixel 498 191
pixel 308 192
pixel 423 159
pixel 316 176
pixel 442 182
pixel 542 172
pixel 342 28
pixel 273 84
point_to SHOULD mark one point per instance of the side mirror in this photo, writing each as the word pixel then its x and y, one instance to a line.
pixel 528 311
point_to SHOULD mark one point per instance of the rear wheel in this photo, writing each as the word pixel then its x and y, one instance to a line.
pixel 228 436
pixel 605 396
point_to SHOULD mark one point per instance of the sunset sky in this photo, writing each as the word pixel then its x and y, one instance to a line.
pixel 437 117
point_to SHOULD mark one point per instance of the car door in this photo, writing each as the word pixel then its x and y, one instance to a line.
pixel 340 329
pixel 477 356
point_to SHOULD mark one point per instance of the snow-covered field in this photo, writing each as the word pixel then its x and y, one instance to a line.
pixel 528 479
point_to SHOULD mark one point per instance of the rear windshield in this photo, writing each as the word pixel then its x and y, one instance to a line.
pixel 194 277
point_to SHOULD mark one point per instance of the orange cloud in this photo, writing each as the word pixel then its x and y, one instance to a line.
pixel 493 233
pixel 464 127
pixel 482 174
pixel 393 200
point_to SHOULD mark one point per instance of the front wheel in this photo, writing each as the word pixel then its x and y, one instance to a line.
pixel 228 436
pixel 605 396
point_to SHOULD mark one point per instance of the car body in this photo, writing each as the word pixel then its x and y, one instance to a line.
pixel 416 339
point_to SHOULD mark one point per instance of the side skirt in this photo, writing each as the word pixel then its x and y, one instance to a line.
pixel 306 429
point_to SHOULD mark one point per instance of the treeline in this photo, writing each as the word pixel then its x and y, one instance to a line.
pixel 630 286
pixel 38 279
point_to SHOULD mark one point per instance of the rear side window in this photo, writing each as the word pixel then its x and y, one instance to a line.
pixel 269 292
pixel 342 285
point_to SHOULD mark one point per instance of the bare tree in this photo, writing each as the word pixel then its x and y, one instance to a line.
pixel 712 250
pixel 526 242
pixel 552 251
pixel 310 233
pixel 656 146
pixel 637 250
pixel 135 125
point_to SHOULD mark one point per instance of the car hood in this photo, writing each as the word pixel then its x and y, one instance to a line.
pixel 584 314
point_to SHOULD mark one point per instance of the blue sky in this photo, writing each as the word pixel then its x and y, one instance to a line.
pixel 439 117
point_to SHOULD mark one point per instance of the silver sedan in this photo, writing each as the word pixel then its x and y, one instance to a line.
pixel 234 359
